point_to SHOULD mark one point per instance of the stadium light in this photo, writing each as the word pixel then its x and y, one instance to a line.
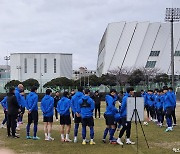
pixel 172 15
pixel 7 58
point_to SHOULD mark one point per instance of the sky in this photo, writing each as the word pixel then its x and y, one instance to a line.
pixel 69 26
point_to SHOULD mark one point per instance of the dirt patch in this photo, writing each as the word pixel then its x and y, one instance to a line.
pixel 6 151
pixel 166 145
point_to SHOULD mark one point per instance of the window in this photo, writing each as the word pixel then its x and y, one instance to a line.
pixel 45 65
pixel 25 65
pixel 177 53
pixel 154 53
pixel 35 65
pixel 150 64
pixel 54 65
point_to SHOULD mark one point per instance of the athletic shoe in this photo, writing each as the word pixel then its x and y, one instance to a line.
pixel 104 140
pixel 68 140
pixel 15 136
pixel 92 143
pixel 3 126
pixel 168 129
pixel 113 141
pixel 51 138
pixel 17 128
pixel 160 125
pixel 56 119
pixel 84 143
pixel 119 141
pixel 128 141
pixel 36 138
pixel 47 139
pixel 28 137
pixel 62 140
pixel 75 140
pixel 174 124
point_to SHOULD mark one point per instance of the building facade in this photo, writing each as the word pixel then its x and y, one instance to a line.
pixel 40 66
pixel 138 44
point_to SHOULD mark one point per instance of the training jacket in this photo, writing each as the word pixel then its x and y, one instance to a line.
pixel 110 105
pixel 74 101
pixel 86 107
pixel 168 101
pixel 174 98
pixel 159 102
pixel 47 106
pixel 4 103
pixel 32 101
pixel 13 106
pixel 18 96
pixel 63 106
pixel 123 110
pixel 150 98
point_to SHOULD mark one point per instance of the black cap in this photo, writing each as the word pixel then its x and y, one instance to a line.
pixel 165 88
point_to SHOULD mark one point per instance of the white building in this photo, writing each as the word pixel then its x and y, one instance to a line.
pixel 138 44
pixel 40 66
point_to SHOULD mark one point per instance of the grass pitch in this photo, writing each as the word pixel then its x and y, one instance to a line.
pixel 159 141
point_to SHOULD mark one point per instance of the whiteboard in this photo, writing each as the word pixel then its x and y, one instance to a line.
pixel 131 107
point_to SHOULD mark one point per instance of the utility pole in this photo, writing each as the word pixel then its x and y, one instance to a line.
pixel 172 15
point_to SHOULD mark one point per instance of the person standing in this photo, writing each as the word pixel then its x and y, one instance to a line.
pixel 109 114
pixel 74 106
pixel 13 110
pixel 56 99
pixel 4 105
pixel 123 113
pixel 70 97
pixel 32 107
pixel 174 105
pixel 47 107
pixel 85 109
pixel 97 99
pixel 63 108
pixel 168 107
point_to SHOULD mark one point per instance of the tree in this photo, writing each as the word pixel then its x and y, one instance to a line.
pixel 58 83
pixel 30 83
pixel 161 78
pixel 12 83
pixel 136 77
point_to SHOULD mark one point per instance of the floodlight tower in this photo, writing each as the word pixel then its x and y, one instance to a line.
pixel 172 15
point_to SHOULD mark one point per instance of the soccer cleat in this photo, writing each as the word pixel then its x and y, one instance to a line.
pixel 68 140
pixel 119 141
pixel 168 129
pixel 15 136
pixel 36 138
pixel 28 137
pixel 84 143
pixel 128 141
pixel 104 140
pixel 92 143
pixel 174 124
pixel 75 140
pixel 47 139
pixel 3 126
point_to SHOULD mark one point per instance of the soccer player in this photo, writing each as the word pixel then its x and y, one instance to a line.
pixel 168 107
pixel 150 102
pixel 63 108
pixel 47 107
pixel 123 113
pixel 13 110
pixel 159 107
pixel 32 107
pixel 86 108
pixel 4 105
pixel 56 99
pixel 74 105
pixel 109 114
pixel 174 105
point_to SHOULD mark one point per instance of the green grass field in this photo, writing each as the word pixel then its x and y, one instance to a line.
pixel 159 141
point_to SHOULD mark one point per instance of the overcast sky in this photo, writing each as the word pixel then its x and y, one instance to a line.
pixel 69 26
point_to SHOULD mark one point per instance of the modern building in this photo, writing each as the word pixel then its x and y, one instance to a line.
pixel 138 44
pixel 40 66
pixel 82 72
